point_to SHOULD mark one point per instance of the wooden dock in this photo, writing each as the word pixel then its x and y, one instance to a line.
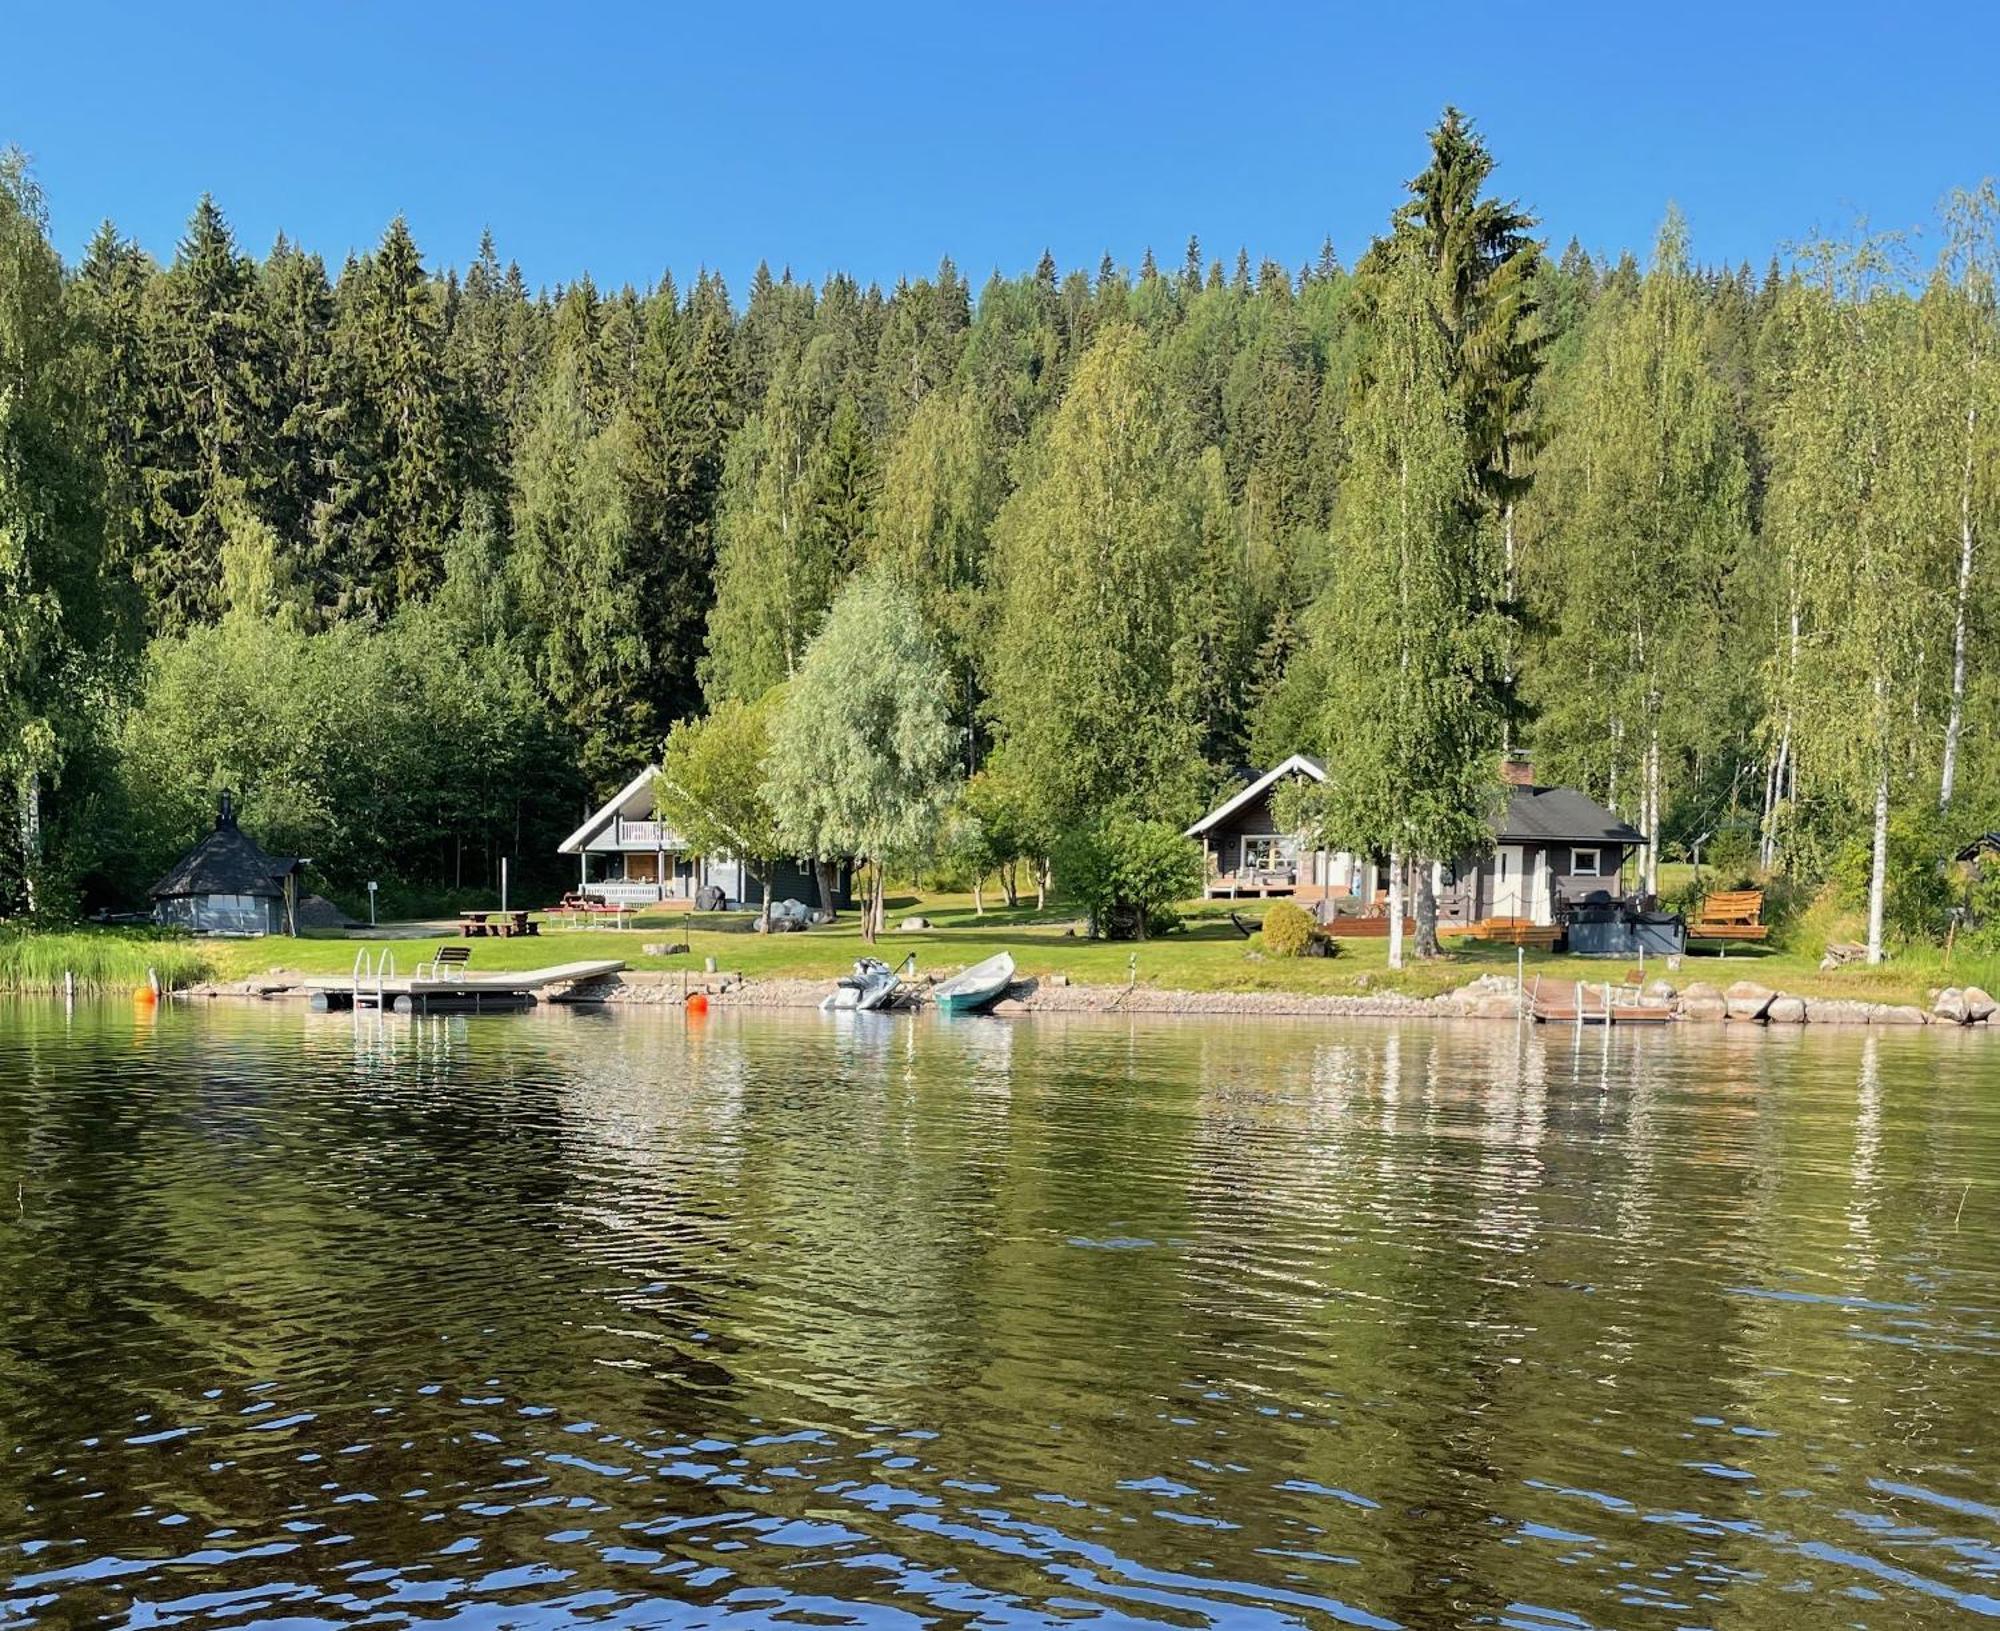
pixel 380 987
pixel 1575 1003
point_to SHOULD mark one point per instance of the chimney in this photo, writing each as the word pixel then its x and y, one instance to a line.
pixel 1518 770
pixel 225 812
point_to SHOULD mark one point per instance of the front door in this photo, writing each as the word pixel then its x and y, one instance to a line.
pixel 1512 885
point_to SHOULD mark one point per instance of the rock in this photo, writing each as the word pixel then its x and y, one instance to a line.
pixel 1949 1005
pixel 1710 1008
pixel 1059 979
pixel 1786 1011
pixel 1489 1005
pixel 1660 988
pixel 1897 1014
pixel 1700 989
pixel 1746 999
pixel 1008 1006
pixel 664 948
pixel 914 925
pixel 1839 1011
pixel 1979 1007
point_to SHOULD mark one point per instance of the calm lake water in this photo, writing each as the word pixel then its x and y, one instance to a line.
pixel 780 1320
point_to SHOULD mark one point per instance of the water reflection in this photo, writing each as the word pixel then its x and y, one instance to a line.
pixel 625 1319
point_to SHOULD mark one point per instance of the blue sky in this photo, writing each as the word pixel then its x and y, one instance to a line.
pixel 626 138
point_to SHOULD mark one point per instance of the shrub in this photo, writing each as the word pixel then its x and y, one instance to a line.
pixel 1128 874
pixel 1289 930
pixel 1919 894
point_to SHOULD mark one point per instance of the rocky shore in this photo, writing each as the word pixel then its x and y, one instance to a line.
pixel 1491 996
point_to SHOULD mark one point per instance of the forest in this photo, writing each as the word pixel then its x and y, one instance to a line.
pixel 420 560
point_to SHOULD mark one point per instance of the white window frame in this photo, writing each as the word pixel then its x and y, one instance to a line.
pixel 1281 856
pixel 1596 868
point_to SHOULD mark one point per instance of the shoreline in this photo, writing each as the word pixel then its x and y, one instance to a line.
pixel 1489 997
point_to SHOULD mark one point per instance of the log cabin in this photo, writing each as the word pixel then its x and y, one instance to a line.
pixel 1551 847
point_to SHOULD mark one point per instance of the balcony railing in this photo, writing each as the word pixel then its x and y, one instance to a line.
pixel 639 834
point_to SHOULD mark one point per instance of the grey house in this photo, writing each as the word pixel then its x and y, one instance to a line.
pixel 228 885
pixel 1554 847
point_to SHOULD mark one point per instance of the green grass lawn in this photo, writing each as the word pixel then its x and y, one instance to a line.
pixel 1208 956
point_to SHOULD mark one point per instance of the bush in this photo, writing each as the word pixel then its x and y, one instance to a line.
pixel 1289 931
pixel 1128 874
pixel 1919 895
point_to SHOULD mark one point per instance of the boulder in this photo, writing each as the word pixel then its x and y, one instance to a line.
pixel 663 948
pixel 914 925
pixel 1660 988
pixel 1485 1004
pixel 1746 999
pixel 1979 1007
pixel 1709 1008
pixel 1840 1011
pixel 1786 1011
pixel 1700 988
pixel 1949 1005
pixel 1897 1014
pixel 1008 1006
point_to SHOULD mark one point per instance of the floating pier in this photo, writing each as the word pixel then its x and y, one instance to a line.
pixel 1575 1003
pixel 380 987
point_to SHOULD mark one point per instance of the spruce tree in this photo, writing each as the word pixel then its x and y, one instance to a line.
pixel 209 374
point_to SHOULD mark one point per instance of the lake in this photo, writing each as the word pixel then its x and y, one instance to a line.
pixel 776 1319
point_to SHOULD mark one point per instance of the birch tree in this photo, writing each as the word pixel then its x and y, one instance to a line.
pixel 1646 493
pixel 1963 326
pixel 1853 503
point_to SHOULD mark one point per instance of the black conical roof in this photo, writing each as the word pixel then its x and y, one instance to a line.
pixel 227 862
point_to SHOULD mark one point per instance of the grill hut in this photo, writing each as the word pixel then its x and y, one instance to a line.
pixel 228 885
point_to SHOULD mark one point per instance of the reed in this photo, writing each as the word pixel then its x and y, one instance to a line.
pixel 99 959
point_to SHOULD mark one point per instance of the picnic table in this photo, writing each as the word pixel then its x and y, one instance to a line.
pixel 578 910
pixel 503 925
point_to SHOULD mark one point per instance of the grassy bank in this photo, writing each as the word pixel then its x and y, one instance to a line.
pixel 102 959
pixel 1209 956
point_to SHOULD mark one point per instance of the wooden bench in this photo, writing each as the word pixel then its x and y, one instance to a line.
pixel 1730 914
pixel 1507 931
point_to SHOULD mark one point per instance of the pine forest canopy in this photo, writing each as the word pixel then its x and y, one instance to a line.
pixel 418 559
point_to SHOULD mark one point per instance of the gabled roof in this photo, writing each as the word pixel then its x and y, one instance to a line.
pixel 1297 765
pixel 1557 815
pixel 227 862
pixel 1534 815
pixel 633 801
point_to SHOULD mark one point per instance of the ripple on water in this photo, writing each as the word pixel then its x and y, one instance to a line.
pixel 566 1318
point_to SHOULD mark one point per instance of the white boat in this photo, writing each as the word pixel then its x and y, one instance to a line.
pixel 978 988
pixel 872 985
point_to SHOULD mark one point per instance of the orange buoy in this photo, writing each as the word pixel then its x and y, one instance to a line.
pixel 145 996
pixel 698 1003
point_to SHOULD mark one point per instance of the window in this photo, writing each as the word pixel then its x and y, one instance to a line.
pixel 1266 854
pixel 1585 863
